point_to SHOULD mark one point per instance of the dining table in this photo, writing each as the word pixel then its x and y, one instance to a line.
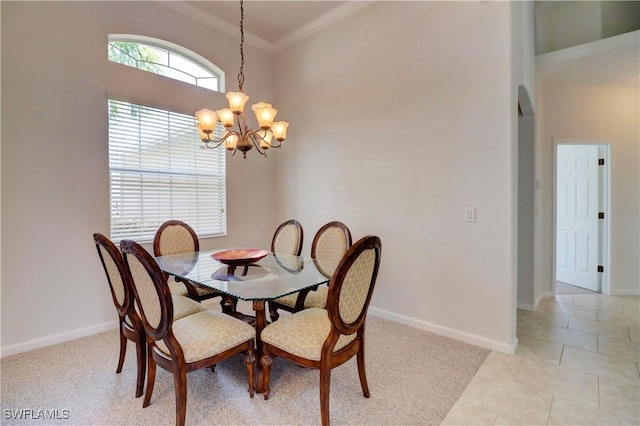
pixel 270 277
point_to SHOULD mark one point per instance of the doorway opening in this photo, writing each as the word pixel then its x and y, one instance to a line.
pixel 581 225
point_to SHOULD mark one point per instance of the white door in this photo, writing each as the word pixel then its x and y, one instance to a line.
pixel 577 216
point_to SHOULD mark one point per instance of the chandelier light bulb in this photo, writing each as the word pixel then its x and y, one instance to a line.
pixel 265 138
pixel 237 101
pixel 279 129
pixel 231 141
pixel 206 120
pixel 226 117
pixel 265 114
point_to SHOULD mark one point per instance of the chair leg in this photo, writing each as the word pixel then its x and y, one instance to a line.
pixel 325 385
pixel 141 357
pixel 180 383
pixel 273 312
pixel 361 370
pixel 151 379
pixel 265 362
pixel 123 349
pixel 250 361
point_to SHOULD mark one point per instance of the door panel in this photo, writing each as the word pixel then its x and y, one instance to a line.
pixel 577 215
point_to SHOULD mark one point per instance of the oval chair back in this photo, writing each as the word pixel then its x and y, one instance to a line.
pixel 130 325
pixel 150 289
pixel 175 237
pixel 352 285
pixel 288 238
pixel 330 243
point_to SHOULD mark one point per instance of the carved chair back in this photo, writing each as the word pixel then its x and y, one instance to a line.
pixel 288 238
pixel 175 237
pixel 352 285
pixel 330 243
pixel 150 289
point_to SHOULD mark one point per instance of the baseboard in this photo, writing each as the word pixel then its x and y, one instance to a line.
pixel 526 306
pixel 543 295
pixel 58 338
pixel 634 292
pixel 493 345
pixel 534 307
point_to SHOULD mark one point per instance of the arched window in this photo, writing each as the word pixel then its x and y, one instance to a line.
pixel 157 168
pixel 167 59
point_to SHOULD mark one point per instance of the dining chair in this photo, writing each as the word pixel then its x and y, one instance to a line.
pixel 329 244
pixel 177 237
pixel 129 323
pixel 197 341
pixel 326 338
pixel 288 238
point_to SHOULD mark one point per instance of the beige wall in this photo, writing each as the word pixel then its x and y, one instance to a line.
pixel 400 124
pixel 602 114
pixel 55 187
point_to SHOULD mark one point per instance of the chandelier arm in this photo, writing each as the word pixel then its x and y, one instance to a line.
pixel 255 139
pixel 218 142
pixel 256 133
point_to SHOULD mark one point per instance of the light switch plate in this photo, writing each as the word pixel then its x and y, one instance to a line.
pixel 470 214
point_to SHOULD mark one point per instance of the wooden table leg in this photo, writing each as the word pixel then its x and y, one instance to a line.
pixel 261 322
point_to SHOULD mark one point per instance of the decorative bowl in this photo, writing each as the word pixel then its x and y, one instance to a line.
pixel 239 257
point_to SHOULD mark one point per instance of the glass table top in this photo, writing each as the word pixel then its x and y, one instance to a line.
pixel 274 276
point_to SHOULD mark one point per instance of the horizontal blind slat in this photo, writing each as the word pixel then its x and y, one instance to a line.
pixel 158 171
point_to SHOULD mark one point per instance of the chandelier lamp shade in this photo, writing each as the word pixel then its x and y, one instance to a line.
pixel 238 136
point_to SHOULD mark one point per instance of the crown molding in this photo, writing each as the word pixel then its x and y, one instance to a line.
pixel 219 24
pixel 328 18
pixel 304 31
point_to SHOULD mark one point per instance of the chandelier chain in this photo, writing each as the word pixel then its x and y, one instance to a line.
pixel 241 74
pixel 243 137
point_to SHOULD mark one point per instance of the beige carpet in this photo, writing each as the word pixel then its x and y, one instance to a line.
pixel 414 377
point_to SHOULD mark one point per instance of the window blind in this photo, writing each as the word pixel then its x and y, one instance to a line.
pixel 159 170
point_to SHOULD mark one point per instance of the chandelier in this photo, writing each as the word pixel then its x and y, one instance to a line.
pixel 241 138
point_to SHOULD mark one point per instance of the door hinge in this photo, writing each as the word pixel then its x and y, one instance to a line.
pixel 601 215
pixel 600 268
pixel 600 161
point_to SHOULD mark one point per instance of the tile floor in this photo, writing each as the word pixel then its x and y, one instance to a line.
pixel 578 363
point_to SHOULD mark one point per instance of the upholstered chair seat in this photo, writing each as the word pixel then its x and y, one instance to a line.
pixel 303 334
pixel 208 333
pixel 314 299
pixel 177 288
pixel 184 306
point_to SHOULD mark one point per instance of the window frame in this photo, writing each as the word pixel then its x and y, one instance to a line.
pixel 169 103
pixel 175 48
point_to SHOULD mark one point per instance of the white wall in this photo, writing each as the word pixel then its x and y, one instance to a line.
pixel 405 114
pixel 523 53
pixel 599 113
pixel 55 76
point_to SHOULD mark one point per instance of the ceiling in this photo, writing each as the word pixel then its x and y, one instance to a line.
pixel 273 25
pixel 270 25
pixel 613 61
pixel 265 18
